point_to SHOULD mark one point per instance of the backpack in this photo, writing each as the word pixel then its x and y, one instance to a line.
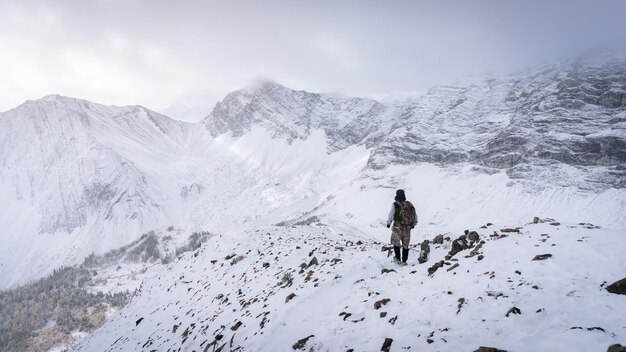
pixel 406 215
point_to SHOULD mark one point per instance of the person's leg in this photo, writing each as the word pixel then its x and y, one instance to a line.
pixel 396 241
pixel 406 240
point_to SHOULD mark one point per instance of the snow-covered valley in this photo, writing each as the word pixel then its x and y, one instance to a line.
pixel 281 176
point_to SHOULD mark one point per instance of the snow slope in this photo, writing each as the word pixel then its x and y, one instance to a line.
pixel 236 292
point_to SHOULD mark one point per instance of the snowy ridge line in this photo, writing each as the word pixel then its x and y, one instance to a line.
pixel 305 287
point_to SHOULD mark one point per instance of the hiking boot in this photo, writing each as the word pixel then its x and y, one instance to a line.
pixel 396 251
pixel 405 254
pixel 397 261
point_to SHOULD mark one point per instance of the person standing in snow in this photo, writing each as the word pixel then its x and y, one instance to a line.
pixel 404 218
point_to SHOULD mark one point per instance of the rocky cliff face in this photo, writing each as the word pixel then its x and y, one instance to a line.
pixel 567 116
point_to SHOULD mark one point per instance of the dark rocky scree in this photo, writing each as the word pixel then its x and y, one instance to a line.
pixel 322 261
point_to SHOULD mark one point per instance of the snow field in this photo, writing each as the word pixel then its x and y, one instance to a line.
pixel 202 299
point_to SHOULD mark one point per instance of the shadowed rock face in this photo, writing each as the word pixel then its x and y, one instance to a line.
pixel 572 114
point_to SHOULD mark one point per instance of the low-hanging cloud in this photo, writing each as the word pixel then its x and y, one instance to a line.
pixel 163 53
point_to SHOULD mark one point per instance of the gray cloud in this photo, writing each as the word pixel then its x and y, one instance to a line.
pixel 166 53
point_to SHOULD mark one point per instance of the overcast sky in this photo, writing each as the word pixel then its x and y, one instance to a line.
pixel 166 53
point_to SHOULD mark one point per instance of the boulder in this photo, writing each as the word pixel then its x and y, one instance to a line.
pixel 425 250
pixel 616 348
pixel 618 287
pixel 387 345
pixel 438 239
pixel 381 303
pixel 473 236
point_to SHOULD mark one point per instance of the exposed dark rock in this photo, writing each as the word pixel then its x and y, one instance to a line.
pixel 386 345
pixel 425 250
pixel 509 230
pixel 236 326
pixel 301 343
pixel 434 268
pixel 138 321
pixel 345 315
pixel 616 348
pixel 313 262
pixel 383 314
pixel 453 267
pixel 618 287
pixel 438 239
pixel 488 349
pixel 384 271
pixel 542 256
pixel 535 220
pixel 461 302
pixel 458 245
pixel 381 303
pixel 290 297
pixel 513 310
pixel 473 236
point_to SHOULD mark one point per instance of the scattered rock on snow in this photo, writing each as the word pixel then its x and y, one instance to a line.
pixel 301 343
pixel 434 268
pixel 618 287
pixel 425 250
pixel 453 267
pixel 313 262
pixel 386 345
pixel 289 297
pixel 345 315
pixel 513 310
pixel 438 239
pixel 138 321
pixel 488 349
pixel 237 260
pixel 509 230
pixel 542 256
pixel 461 302
pixel 384 271
pixel 381 303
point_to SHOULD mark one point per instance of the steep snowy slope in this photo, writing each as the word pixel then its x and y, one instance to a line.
pixel 310 288
pixel 75 179
pixel 79 177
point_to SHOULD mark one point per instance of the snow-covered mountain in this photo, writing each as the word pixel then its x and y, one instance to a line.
pixel 78 177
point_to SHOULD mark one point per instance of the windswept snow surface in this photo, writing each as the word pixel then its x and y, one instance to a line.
pixel 234 292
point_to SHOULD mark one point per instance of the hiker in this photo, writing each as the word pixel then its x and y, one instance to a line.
pixel 404 218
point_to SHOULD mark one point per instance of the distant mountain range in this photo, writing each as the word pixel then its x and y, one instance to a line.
pixel 78 177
